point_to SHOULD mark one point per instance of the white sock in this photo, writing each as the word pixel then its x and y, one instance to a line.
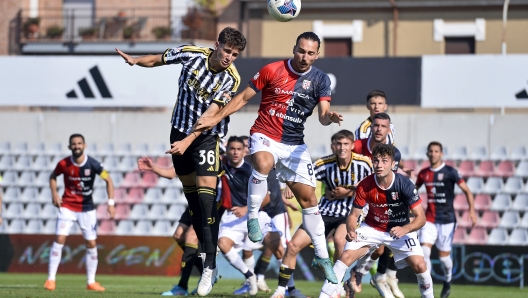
pixel 236 261
pixel 329 288
pixel 447 263
pixel 425 284
pixel 364 264
pixel 91 264
pixel 281 289
pixel 380 277
pixel 427 257
pixel 257 190
pixel 250 263
pixel 314 226
pixel 55 255
pixel 391 273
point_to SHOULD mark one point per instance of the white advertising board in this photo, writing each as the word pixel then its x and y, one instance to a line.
pixel 85 82
pixel 475 81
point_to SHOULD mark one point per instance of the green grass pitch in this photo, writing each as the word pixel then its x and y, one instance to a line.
pixel 73 285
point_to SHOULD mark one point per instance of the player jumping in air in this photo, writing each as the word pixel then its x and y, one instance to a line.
pixel 76 205
pixel 290 91
pixel 207 79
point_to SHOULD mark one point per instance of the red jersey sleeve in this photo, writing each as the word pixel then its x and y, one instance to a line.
pixel 262 78
pixel 419 180
pixel 59 169
pixel 361 199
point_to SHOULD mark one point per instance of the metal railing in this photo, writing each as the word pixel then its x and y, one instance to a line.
pixel 112 25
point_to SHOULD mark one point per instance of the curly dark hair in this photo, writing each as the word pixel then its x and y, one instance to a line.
pixel 382 150
pixel 233 38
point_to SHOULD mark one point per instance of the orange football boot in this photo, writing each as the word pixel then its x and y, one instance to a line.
pixel 49 285
pixel 95 287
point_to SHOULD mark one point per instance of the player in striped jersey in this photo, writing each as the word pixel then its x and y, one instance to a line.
pixel 207 79
pixel 376 103
pixel 340 172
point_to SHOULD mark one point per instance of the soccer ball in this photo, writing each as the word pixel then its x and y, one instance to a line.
pixel 284 10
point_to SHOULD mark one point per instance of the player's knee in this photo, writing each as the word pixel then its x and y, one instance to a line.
pixel 419 266
pixel 223 244
pixel 293 248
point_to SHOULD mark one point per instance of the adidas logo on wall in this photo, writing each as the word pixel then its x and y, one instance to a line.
pixel 87 90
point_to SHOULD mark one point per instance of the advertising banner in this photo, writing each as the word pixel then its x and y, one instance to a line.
pixel 130 255
pixel 476 264
pixel 475 81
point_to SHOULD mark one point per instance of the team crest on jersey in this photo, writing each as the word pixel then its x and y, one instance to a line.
pixel 440 176
pixel 87 172
pixel 306 84
pixel 394 196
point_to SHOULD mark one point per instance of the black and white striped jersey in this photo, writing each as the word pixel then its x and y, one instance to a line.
pixel 327 170
pixel 199 87
pixel 364 131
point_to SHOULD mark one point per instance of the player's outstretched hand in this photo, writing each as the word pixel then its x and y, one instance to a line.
pixel 57 201
pixel 206 123
pixel 398 232
pixel 128 59
pixel 145 164
pixel 178 148
pixel 335 117
pixel 111 211
pixel 351 236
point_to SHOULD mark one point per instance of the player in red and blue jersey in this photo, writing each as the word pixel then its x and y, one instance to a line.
pixel 290 91
pixel 389 196
pixel 76 205
pixel 440 180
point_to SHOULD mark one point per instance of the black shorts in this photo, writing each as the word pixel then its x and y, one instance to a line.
pixel 202 156
pixel 331 223
pixel 186 218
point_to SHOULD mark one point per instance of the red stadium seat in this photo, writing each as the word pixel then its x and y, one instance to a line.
pixel 478 236
pixel 460 203
pixel 486 169
pixel 505 169
pixel 423 196
pixel 120 195
pixel 107 227
pixel 164 162
pixel 149 179
pixel 466 168
pixel 102 212
pixel 463 221
pixel 135 195
pixel 490 219
pixel 425 164
pixel 132 179
pixel 122 211
pixel 460 236
pixel 450 163
pixel 482 202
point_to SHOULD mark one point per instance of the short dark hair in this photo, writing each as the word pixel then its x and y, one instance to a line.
pixel 233 38
pixel 344 133
pixel 382 116
pixel 333 138
pixel 76 135
pixel 376 93
pixel 309 36
pixel 244 138
pixel 383 150
pixel 435 143
pixel 234 139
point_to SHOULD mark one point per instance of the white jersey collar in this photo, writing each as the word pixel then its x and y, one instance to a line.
pixel 297 73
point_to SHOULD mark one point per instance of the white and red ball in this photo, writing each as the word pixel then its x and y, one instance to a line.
pixel 284 10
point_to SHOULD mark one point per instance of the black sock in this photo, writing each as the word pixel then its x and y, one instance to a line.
pixel 383 261
pixel 190 254
pixel 210 225
pixel 392 264
pixel 291 289
pixel 284 276
pixel 248 274
pixel 262 265
pixel 191 194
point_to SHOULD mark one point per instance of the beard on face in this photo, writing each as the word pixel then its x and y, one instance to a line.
pixel 77 152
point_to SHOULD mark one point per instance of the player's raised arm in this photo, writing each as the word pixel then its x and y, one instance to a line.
pixel 207 122
pixel 326 117
pixel 143 61
pixel 146 164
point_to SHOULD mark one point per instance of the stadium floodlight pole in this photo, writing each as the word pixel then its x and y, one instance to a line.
pixel 504 19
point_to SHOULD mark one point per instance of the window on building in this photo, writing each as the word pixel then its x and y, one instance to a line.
pixel 338 47
pixel 460 45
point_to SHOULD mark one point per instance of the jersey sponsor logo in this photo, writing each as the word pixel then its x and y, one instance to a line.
pixel 195 72
pixel 290 102
pixel 87 172
pixel 200 91
pixel 256 76
pixel 272 112
pixel 306 84
pixel 386 205
pixel 289 92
